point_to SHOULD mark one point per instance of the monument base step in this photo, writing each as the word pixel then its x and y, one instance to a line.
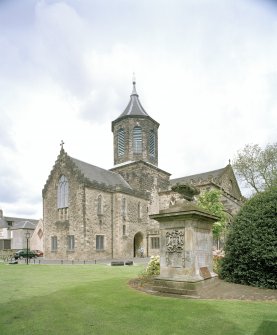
pixel 184 288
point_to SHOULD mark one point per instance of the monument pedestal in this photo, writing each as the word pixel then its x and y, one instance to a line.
pixel 186 257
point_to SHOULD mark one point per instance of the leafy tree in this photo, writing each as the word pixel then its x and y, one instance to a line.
pixel 251 245
pixel 210 200
pixel 257 167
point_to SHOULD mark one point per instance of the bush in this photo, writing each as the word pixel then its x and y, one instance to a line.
pixel 153 267
pixel 217 263
pixel 251 246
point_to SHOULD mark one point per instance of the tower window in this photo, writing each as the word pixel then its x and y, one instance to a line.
pixel 121 142
pixel 63 192
pixel 152 143
pixel 137 140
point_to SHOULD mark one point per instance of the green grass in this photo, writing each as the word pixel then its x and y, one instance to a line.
pixel 96 299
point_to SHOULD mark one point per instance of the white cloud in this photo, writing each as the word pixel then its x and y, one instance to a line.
pixel 206 71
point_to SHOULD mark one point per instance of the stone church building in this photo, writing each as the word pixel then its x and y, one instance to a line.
pixel 92 213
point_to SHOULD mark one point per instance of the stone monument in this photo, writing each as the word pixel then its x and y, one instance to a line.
pixel 185 244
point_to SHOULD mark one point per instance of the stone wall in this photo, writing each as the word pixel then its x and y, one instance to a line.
pixel 143 176
pixel 83 220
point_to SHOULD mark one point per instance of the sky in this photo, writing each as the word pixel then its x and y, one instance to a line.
pixel 206 70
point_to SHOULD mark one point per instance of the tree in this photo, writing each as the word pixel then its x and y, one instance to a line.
pixel 210 200
pixel 257 167
pixel 251 245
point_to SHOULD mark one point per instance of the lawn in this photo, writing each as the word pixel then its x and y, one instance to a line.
pixel 96 299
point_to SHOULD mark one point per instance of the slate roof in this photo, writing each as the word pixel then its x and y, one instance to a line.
pixel 101 176
pixel 26 224
pixel 210 175
pixel 16 220
pixel 215 176
pixel 134 106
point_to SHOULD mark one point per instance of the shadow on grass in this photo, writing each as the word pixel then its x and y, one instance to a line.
pixel 267 328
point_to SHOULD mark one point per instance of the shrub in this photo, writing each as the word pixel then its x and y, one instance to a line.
pixel 251 246
pixel 217 263
pixel 153 267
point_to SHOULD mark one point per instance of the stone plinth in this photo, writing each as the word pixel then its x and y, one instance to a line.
pixel 185 243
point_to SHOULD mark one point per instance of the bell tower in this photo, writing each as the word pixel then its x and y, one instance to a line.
pixel 135 134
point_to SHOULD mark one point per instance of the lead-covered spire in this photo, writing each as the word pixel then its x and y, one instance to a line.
pixel 134 107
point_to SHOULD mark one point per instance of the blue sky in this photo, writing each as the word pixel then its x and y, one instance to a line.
pixel 206 70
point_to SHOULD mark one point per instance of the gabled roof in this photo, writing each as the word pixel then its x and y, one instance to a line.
pixel 90 175
pixel 100 176
pixel 215 177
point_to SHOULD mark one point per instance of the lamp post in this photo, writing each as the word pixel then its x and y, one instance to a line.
pixel 27 238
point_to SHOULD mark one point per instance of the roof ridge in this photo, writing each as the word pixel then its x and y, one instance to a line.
pixel 201 173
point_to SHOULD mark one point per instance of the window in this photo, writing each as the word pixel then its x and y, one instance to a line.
pixel 63 192
pixel 152 143
pixel 99 242
pixel 70 242
pixel 124 230
pixel 54 243
pixel 137 140
pixel 99 205
pixel 123 208
pixel 155 242
pixel 121 142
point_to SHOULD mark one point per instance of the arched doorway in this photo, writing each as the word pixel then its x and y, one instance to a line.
pixel 138 245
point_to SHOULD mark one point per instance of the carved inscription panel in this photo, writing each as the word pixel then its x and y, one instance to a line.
pixel 174 248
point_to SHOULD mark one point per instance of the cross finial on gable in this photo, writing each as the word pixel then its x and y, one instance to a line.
pixel 62 143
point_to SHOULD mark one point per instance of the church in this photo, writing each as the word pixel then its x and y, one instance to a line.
pixel 92 213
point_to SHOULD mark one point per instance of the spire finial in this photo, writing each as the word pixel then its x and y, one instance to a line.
pixel 229 161
pixel 134 85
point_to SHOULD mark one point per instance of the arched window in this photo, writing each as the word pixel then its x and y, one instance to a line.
pixel 152 143
pixel 137 140
pixel 121 142
pixel 99 205
pixel 63 192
